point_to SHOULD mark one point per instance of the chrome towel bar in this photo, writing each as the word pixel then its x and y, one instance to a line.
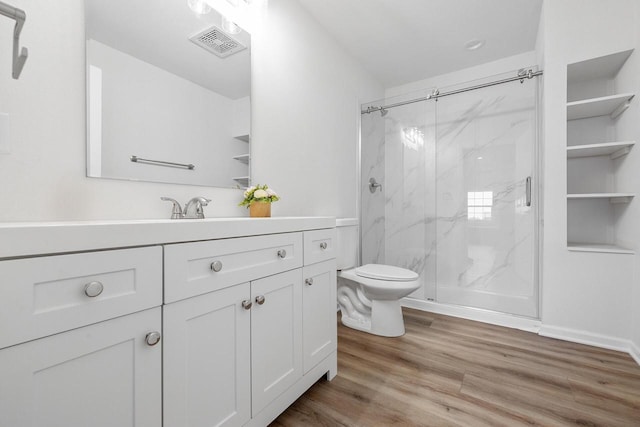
pixel 137 159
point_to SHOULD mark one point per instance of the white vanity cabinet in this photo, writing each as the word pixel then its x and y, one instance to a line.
pixel 240 353
pixel 189 323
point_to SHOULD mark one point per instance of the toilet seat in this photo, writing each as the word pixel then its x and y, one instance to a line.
pixel 386 272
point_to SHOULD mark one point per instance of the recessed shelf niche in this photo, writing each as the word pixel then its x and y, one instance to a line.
pixel 595 196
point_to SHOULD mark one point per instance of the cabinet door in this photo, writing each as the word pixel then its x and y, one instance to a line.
pixel 319 313
pixel 276 336
pixel 207 366
pixel 99 375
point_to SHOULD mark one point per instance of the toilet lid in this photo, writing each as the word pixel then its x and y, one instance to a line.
pixel 386 272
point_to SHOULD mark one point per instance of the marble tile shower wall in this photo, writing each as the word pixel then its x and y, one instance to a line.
pixel 372 165
pixel 432 164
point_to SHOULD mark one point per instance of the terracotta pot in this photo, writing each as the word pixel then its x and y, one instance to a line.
pixel 260 210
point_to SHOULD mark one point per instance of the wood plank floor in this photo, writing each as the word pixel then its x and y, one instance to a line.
pixel 453 372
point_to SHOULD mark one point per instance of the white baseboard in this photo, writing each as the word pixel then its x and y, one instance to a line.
pixel 584 337
pixel 479 315
pixel 634 351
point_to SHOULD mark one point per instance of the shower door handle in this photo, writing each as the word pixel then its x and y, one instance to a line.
pixel 528 191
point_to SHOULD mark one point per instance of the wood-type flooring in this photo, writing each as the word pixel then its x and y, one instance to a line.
pixel 447 371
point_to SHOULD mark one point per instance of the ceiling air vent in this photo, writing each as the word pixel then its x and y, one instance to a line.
pixel 216 41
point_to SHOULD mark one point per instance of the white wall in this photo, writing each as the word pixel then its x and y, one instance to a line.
pixel 628 128
pixel 586 296
pixel 306 109
pixel 305 127
pixel 503 65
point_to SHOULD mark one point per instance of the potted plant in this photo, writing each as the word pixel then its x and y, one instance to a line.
pixel 258 199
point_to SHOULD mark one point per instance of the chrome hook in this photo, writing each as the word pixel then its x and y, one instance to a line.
pixel 19 16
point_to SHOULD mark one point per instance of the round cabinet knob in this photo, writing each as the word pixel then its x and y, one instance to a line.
pixel 308 281
pixel 246 304
pixel 282 253
pixel 216 266
pixel 152 338
pixel 323 245
pixel 260 299
pixel 93 289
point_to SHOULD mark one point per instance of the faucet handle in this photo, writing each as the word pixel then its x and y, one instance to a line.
pixel 200 202
pixel 176 212
pixel 196 211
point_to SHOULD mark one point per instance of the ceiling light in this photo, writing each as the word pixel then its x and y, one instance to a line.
pixel 199 6
pixel 474 44
pixel 229 26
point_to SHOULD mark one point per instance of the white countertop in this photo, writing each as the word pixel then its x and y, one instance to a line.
pixel 38 238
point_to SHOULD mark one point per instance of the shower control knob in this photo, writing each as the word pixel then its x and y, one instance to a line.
pixel 152 338
pixel 216 266
pixel 260 299
pixel 282 253
pixel 246 304
pixel 308 281
pixel 323 245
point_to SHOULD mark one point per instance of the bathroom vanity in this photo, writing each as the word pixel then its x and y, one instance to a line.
pixel 173 323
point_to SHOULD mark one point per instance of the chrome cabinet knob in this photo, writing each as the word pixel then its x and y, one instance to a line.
pixel 152 338
pixel 216 266
pixel 308 281
pixel 323 245
pixel 260 299
pixel 93 289
pixel 282 253
pixel 246 304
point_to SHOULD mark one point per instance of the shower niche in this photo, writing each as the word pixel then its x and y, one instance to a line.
pixel 597 149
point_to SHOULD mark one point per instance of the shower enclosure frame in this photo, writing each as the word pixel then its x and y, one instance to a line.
pixel 475 313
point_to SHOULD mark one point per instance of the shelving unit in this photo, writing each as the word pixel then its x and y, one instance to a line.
pixel 593 247
pixel 595 103
pixel 613 197
pixel 242 180
pixel 612 105
pixel 243 158
pixel 611 149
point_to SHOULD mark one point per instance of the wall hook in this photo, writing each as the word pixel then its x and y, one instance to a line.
pixel 19 16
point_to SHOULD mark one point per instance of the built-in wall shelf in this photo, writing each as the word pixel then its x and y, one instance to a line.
pixel 242 180
pixel 243 158
pixel 597 93
pixel 244 138
pixel 598 247
pixel 612 105
pixel 613 197
pixel 611 149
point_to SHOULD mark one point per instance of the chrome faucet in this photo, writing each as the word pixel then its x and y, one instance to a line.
pixel 192 209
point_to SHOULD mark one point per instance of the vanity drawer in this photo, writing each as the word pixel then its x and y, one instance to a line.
pixel 46 295
pixel 319 245
pixel 196 268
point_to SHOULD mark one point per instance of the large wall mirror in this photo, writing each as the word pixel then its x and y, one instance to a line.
pixel 168 94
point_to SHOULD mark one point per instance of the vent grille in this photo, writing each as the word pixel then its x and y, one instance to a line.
pixel 216 41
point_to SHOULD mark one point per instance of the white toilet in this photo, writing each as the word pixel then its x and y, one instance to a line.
pixel 369 296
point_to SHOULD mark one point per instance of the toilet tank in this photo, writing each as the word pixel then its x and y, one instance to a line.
pixel 347 243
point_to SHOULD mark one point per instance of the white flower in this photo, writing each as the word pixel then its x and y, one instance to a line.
pixel 270 192
pixel 249 190
pixel 260 194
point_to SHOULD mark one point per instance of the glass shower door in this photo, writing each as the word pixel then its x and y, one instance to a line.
pixel 485 211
